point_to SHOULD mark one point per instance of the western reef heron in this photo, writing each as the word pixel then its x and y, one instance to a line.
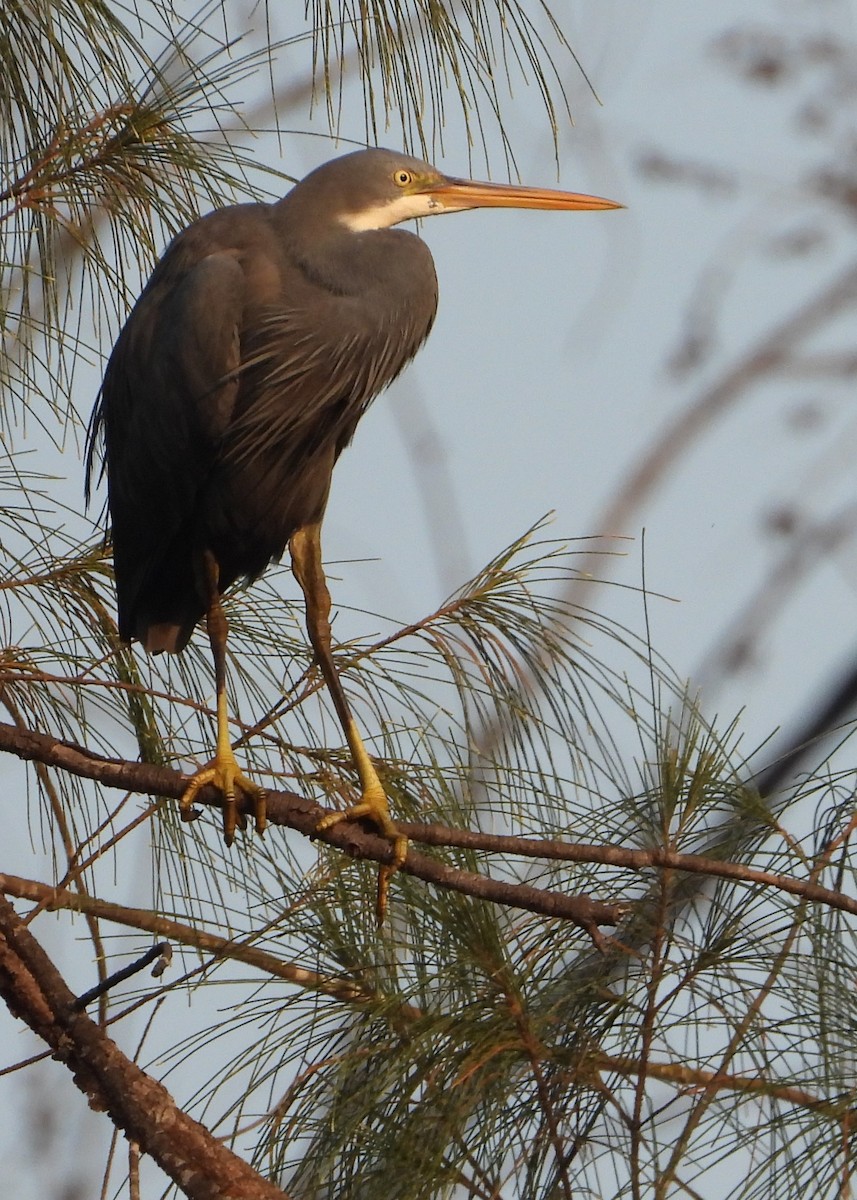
pixel 262 336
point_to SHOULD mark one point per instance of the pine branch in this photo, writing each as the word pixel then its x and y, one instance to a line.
pixel 619 856
pixel 694 1079
pixel 53 898
pixel 200 1164
pixel 294 811
pixel 297 812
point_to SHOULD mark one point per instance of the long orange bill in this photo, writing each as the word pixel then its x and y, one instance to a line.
pixel 455 195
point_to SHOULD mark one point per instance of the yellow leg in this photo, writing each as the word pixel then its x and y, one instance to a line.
pixel 305 548
pixel 224 772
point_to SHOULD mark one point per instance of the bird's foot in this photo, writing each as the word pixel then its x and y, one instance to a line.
pixel 373 804
pixel 225 774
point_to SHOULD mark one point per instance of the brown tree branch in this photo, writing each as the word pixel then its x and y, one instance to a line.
pixel 59 817
pixel 52 898
pixel 694 1079
pixel 196 1161
pixel 632 860
pixel 297 812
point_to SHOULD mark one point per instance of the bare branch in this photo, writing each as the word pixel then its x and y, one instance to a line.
pixel 162 951
pixel 696 1078
pixel 52 898
pixel 633 860
pixel 297 812
pixel 196 1161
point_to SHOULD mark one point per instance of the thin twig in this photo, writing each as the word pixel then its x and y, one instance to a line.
pixel 161 951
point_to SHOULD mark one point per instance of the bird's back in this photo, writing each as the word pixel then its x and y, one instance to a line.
pixel 236 382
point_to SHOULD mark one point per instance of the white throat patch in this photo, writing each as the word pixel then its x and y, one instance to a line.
pixel 401 208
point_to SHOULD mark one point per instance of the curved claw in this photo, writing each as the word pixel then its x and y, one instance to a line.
pixel 373 804
pixel 225 774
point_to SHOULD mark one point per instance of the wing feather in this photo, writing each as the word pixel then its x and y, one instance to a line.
pixel 166 401
pixel 239 378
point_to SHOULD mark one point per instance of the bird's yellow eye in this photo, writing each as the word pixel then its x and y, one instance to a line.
pixel 402 178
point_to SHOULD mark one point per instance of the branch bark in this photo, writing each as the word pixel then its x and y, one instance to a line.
pixel 197 1162
pixel 51 898
pixel 632 860
pixel 297 812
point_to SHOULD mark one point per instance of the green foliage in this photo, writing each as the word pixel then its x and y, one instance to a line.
pixel 109 151
pixel 416 58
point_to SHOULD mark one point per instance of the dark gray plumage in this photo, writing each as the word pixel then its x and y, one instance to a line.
pixel 240 376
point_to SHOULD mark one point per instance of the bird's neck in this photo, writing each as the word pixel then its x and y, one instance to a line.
pixel 345 262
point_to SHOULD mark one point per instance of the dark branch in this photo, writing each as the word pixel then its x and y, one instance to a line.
pixel 632 860
pixel 297 812
pixel 809 740
pixel 196 1161
pixel 293 811
pixel 162 951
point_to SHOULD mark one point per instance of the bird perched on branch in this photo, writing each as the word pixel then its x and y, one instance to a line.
pixel 239 378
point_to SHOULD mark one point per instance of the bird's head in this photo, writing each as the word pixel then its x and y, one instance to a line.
pixel 375 189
